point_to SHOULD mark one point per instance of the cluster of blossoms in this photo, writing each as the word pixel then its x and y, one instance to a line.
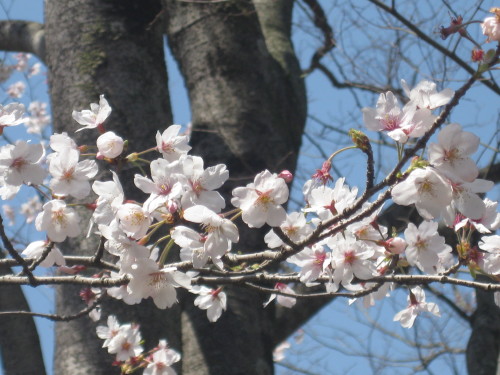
pixel 335 240
pixel 124 340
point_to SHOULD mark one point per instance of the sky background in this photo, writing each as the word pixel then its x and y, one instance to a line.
pixel 340 339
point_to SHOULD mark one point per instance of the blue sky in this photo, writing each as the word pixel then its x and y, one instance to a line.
pixel 478 113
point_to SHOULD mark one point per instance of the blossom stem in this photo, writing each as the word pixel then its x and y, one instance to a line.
pixel 165 252
pixel 341 150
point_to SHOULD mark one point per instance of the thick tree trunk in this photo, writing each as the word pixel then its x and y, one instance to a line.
pixel 112 48
pixel 248 111
pixel 483 347
pixel 19 341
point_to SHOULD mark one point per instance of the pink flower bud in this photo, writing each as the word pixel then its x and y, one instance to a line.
pixel 395 245
pixel 286 175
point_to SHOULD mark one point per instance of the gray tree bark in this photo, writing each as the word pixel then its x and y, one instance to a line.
pixel 113 48
pixel 248 111
pixel 19 342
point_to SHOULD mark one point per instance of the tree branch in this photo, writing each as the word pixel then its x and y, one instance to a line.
pixel 23 36
pixel 423 36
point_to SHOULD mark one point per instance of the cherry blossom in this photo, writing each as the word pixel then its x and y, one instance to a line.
pixel 202 182
pixel 161 360
pixel 133 220
pixel 95 117
pixel 16 90
pixel 109 145
pixel 192 245
pixel 294 226
pixel 261 200
pixel 107 333
pixel 212 300
pixel 126 343
pixel 9 212
pixel 171 144
pixel 285 301
pixel 11 115
pixel 166 184
pixel 36 249
pixel 111 197
pixel 327 202
pixel 20 163
pixel 71 177
pixel 430 192
pixel 58 221
pixel 220 232
pixel 39 118
pixel 399 123
pixel 313 262
pixel 416 305
pixel 31 208
pixel 149 280
pixel 424 246
pixel 350 258
pixel 425 95
pixel 451 154
pixel 490 221
pixel 491 26
pixel 490 261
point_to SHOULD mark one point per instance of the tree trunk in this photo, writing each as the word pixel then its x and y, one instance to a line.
pixel 483 347
pixel 248 111
pixel 19 342
pixel 112 48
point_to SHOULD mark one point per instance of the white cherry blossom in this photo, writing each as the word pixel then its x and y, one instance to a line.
pixel 285 301
pixel 95 117
pixel 133 220
pixel 161 360
pixel 294 226
pixel 71 177
pixel 171 144
pixel 58 221
pixel 416 305
pixel 11 115
pixel 39 118
pixel 400 124
pixel 147 279
pixel 109 145
pixel 36 249
pixel 201 183
pixel 166 184
pixel 261 200
pixel 31 208
pixel 490 261
pixel 451 154
pixel 428 190
pixel 313 262
pixel 220 232
pixel 349 259
pixel 212 300
pixel 425 95
pixel 425 246
pixel 21 163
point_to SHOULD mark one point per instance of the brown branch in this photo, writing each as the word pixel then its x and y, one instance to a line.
pixel 321 22
pixel 14 254
pixel 430 41
pixel 56 317
pixel 72 261
pixel 23 36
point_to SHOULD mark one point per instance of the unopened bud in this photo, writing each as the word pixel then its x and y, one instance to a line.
pixel 286 175
pixel 132 157
pixel 395 245
pixel 359 139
